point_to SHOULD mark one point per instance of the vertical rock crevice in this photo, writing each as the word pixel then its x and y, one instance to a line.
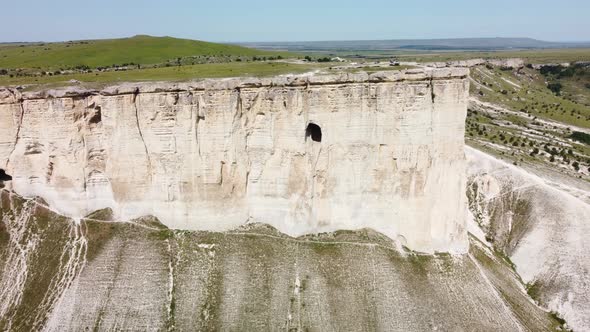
pixel 19 125
pixel 432 94
pixel 147 153
pixel 200 117
pixel 236 121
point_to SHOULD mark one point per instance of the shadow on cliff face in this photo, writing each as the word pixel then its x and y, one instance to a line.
pixel 4 177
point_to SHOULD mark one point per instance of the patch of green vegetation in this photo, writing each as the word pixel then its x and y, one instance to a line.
pixel 534 290
pixel 374 69
pixel 103 215
pixel 162 235
pixel 482 256
pixel 98 234
pixel 364 235
pixel 326 249
pixel 150 222
pixel 532 95
pixel 48 234
pixel 581 137
pixel 569 81
pixel 506 259
pixel 556 316
pixel 420 262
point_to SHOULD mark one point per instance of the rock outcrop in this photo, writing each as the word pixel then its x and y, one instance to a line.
pixel 216 154
pixel 503 63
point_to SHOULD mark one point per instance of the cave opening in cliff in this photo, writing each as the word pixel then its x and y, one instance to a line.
pixel 314 132
pixel 96 117
pixel 4 177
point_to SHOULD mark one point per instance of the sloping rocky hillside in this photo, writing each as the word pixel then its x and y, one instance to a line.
pixel 59 274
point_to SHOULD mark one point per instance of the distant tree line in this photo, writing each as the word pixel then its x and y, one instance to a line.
pixel 324 59
pixel 554 73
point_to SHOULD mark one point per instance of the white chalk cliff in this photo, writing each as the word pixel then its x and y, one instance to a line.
pixel 216 154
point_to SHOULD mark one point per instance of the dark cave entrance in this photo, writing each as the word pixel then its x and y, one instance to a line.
pixel 96 117
pixel 4 176
pixel 314 132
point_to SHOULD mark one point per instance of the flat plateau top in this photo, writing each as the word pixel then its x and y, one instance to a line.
pixel 11 95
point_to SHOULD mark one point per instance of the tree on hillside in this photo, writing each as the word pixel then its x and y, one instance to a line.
pixel 580 137
pixel 576 165
pixel 555 87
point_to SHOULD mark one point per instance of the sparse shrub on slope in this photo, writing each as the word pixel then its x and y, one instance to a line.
pixel 580 137
pixel 555 87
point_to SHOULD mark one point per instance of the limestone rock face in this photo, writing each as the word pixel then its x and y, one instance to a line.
pixel 213 155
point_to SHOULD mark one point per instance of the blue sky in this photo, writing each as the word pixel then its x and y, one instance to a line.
pixel 294 20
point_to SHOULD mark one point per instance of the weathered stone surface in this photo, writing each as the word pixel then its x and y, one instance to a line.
pixel 216 154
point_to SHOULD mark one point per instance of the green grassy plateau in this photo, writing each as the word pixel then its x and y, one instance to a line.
pixel 530 56
pixel 144 50
pixel 139 58
pixel 172 73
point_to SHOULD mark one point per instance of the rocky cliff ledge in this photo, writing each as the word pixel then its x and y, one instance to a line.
pixel 304 154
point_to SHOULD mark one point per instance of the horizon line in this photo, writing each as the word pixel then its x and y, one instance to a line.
pixel 298 41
